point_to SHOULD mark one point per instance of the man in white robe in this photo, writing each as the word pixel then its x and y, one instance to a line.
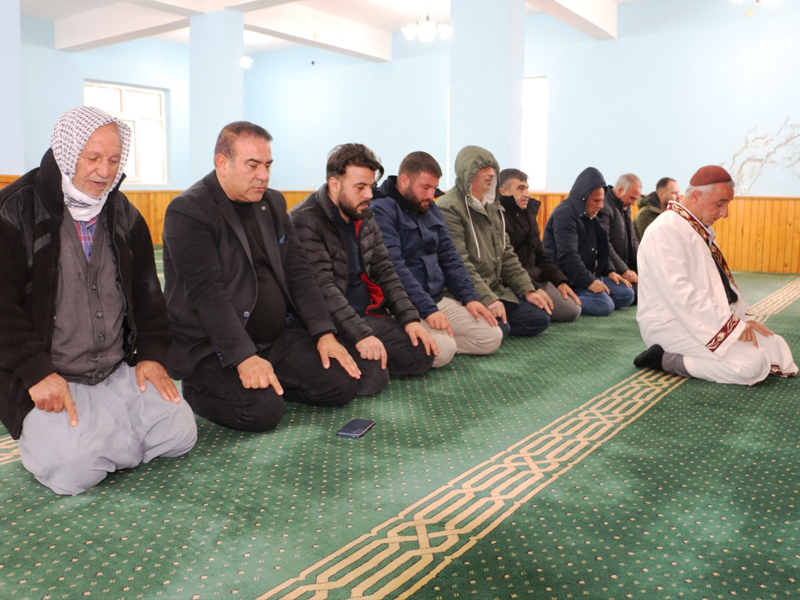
pixel 691 314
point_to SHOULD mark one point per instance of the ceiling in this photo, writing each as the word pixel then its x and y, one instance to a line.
pixel 357 27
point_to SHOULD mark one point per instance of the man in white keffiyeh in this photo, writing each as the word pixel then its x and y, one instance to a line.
pixel 91 149
pixel 83 323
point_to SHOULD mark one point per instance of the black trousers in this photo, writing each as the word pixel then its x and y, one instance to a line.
pixel 403 357
pixel 216 393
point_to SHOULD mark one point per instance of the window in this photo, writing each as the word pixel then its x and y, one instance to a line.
pixel 142 109
pixel 535 102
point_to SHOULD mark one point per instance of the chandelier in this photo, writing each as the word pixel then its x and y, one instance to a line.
pixel 426 30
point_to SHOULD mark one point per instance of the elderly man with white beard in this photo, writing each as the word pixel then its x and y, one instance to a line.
pixel 691 314
pixel 83 323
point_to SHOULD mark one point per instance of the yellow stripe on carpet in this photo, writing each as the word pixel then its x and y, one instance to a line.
pixel 413 547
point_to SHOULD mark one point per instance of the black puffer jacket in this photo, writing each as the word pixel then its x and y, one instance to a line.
pixel 313 220
pixel 523 233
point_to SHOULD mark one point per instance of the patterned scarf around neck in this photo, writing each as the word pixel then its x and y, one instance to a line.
pixel 69 138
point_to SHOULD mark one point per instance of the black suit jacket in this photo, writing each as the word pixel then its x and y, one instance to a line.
pixel 211 284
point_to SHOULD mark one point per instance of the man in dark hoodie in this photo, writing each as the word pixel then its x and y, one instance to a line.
pixel 523 233
pixel 351 264
pixel 576 240
pixel 475 222
pixel 427 260
pixel 667 190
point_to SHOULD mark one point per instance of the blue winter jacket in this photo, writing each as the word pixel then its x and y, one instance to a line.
pixel 577 243
pixel 421 249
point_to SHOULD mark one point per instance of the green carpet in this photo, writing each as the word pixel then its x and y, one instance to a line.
pixel 552 469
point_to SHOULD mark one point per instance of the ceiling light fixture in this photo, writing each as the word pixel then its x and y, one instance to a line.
pixel 245 62
pixel 427 30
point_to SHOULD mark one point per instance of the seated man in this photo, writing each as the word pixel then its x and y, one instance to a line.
pixel 691 314
pixel 364 295
pixel 84 330
pixel 615 217
pixel 426 260
pixel 475 223
pixel 249 324
pixel 523 233
pixel 655 203
pixel 577 242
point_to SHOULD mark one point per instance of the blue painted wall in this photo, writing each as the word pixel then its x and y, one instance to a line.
pixel 53 83
pixel 394 107
pixel 680 88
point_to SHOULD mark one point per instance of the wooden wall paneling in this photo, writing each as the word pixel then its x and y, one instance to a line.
pixel 6 179
pixel 763 227
pixel 294 198
pixel 760 234
pixel 792 250
pixel 743 224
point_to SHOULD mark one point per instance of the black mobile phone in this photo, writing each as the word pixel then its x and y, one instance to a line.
pixel 356 428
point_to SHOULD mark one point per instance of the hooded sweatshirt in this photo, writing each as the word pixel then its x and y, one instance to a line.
pixel 649 209
pixel 576 242
pixel 478 232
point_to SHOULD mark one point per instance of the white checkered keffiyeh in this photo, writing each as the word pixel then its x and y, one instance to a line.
pixel 69 137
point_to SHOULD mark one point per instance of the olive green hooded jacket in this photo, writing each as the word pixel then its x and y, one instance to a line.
pixel 479 233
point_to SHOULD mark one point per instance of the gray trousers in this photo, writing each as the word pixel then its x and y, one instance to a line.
pixel 119 427
pixel 564 311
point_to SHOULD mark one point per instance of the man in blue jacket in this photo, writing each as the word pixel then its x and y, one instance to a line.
pixel 427 261
pixel 578 243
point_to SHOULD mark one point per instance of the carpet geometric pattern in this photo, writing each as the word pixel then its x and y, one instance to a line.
pixel 551 469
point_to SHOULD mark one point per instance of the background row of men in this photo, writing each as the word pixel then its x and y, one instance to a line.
pixel 318 305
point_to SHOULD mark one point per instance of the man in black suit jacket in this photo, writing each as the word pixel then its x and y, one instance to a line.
pixel 250 326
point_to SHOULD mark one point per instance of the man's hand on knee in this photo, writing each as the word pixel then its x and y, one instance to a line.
pixel 371 348
pixel 155 373
pixel 258 374
pixel 329 347
pixel 440 322
pixel 417 333
pixel 51 394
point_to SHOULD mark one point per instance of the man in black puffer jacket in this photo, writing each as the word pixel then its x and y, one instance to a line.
pixel 352 266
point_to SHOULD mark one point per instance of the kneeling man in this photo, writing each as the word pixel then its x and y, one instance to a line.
pixel 84 328
pixel 428 263
pixel 691 314
pixel 251 329
pixel 364 295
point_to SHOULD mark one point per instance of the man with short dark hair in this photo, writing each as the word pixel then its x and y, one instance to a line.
pixel 578 244
pixel 363 293
pixel 652 205
pixel 427 262
pixel 523 233
pixel 474 220
pixel 83 325
pixel 691 314
pixel 615 217
pixel 250 326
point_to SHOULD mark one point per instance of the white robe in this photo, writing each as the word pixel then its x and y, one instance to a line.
pixel 683 306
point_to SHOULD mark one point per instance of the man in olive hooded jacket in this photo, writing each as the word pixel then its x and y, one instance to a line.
pixel 476 223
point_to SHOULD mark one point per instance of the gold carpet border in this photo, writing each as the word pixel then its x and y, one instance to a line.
pixel 413 547
pixel 404 553
pixel 9 450
pixel 776 302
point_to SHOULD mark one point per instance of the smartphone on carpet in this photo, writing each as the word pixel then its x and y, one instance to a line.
pixel 356 428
